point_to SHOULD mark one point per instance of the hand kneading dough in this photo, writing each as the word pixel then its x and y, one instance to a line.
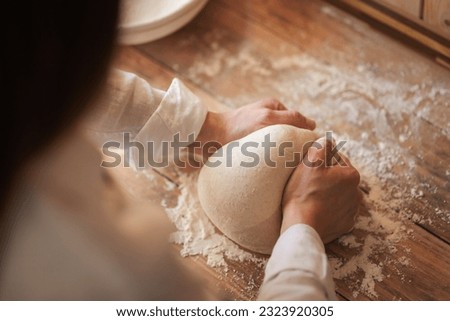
pixel 245 202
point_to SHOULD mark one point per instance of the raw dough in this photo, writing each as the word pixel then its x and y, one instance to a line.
pixel 244 203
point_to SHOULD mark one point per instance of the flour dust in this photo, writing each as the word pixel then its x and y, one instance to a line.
pixel 339 100
pixel 196 233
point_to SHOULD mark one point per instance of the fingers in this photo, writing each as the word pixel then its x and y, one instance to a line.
pixel 281 115
pixel 319 152
pixel 294 118
pixel 271 103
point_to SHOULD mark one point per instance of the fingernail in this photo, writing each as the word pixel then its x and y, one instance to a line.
pixel 310 123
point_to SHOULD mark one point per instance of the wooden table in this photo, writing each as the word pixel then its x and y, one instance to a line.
pixel 386 99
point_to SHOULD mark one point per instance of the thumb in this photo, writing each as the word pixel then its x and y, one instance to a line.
pixel 320 151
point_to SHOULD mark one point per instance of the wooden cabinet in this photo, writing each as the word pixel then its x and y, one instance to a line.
pixel 406 7
pixel 436 14
pixel 426 21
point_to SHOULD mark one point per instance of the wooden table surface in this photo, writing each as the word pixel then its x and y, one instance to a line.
pixel 386 99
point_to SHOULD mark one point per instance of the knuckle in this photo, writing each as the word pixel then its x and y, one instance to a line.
pixel 270 101
pixel 265 115
pixel 317 153
pixel 295 115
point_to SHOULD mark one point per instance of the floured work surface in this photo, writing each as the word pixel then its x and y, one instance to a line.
pixel 388 102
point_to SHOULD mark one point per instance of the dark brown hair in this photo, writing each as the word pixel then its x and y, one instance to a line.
pixel 55 56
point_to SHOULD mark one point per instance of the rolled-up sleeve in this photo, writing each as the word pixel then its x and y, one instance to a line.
pixel 129 105
pixel 298 268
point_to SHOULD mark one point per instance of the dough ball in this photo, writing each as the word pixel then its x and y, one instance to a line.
pixel 241 187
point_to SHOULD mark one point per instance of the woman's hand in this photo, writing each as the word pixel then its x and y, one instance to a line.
pixel 222 128
pixel 322 195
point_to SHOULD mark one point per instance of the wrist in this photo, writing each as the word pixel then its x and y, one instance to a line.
pixel 294 214
pixel 209 138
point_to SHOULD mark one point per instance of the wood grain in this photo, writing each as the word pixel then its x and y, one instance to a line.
pixel 437 14
pixel 233 284
pixel 404 28
pixel 263 47
pixel 405 7
pixel 228 56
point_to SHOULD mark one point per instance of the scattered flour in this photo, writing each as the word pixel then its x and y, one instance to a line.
pixel 350 241
pixel 197 234
pixel 303 82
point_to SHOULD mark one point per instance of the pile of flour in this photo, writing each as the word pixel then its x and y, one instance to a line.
pixel 196 233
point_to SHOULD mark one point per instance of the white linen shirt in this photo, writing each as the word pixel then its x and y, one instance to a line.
pixel 74 235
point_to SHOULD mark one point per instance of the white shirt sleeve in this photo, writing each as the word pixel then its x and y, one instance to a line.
pixel 130 105
pixel 298 268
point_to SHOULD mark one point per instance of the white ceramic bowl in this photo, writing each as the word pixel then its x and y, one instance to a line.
pixel 147 20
